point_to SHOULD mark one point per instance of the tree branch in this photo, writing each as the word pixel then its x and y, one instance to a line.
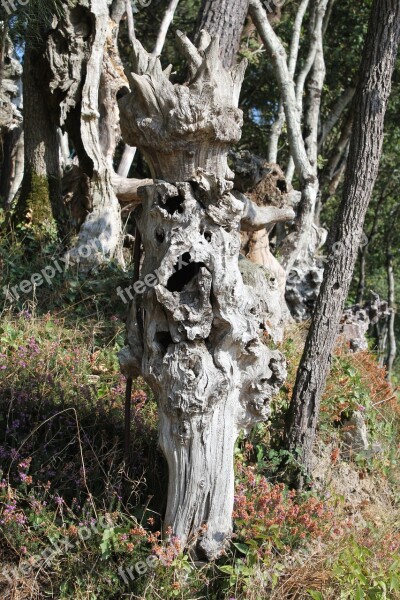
pixel 165 24
pixel 293 55
pixel 287 88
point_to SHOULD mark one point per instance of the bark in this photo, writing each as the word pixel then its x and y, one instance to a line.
pixel 314 63
pixel 99 138
pixel 392 349
pixel 390 258
pixel 225 19
pixel 265 185
pixel 10 83
pixel 366 145
pixel 164 27
pixel 194 332
pixel 12 166
pixel 39 204
pixel 127 159
pixel 292 63
pixel 130 152
pixel 297 245
pixel 86 75
pixel 10 120
pixel 382 341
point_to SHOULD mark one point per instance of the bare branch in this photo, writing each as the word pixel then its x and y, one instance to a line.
pixel 288 93
pixel 126 189
pixel 165 24
pixel 257 217
pixel 293 55
pixel 337 111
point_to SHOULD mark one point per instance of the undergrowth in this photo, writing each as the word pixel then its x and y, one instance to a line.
pixel 68 529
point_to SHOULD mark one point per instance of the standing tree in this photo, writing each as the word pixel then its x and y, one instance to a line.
pixel 372 95
pixel 194 332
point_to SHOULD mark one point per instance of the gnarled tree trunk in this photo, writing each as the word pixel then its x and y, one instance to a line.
pixel 194 332
pixel 10 121
pixel 86 75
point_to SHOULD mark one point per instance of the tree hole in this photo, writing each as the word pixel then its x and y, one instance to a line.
pixel 282 186
pixel 163 339
pixel 172 204
pixel 160 235
pixel 185 271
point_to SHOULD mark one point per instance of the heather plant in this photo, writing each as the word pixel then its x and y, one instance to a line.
pixel 63 473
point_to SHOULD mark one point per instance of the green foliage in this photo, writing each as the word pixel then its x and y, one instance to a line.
pixel 32 20
pixel 360 576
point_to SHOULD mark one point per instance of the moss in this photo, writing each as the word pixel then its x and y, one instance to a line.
pixel 34 209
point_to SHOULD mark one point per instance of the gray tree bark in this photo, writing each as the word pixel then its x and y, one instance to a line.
pixel 39 203
pixel 194 332
pixel 225 19
pixel 10 119
pixel 86 75
pixel 377 66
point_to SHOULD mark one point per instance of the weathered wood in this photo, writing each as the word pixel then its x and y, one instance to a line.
pixel 194 334
pixel 298 249
pixel 85 76
pixel 266 187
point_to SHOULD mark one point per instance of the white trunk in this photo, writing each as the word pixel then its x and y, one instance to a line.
pixel 103 225
pixel 194 332
pixel 165 24
pixel 86 75
pixel 126 161
pixel 392 350
pixel 293 55
pixel 301 245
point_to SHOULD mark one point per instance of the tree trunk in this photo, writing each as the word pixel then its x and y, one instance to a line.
pixel 12 166
pixel 299 248
pixel 10 118
pixel 265 185
pixel 86 75
pixel 366 145
pixel 225 19
pixel 164 27
pixel 194 331
pixel 392 317
pixel 39 203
